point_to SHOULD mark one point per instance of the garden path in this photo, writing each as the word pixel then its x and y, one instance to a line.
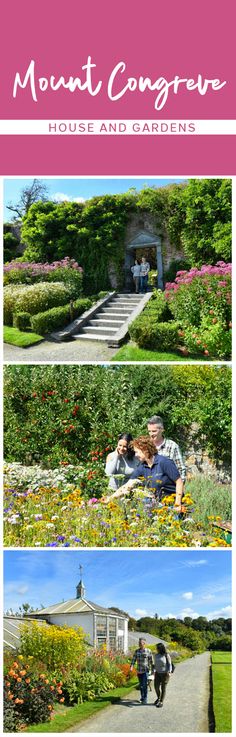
pixel 74 351
pixel 185 708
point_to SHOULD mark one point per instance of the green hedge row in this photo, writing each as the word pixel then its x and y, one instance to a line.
pixel 58 317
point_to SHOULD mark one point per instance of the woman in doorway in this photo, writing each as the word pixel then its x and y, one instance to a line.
pixel 121 463
pixel 136 275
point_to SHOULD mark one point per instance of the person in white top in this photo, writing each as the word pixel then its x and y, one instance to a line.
pixel 121 463
pixel 136 274
pixel 163 669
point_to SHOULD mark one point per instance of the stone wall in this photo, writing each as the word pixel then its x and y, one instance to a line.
pixel 146 221
pixel 198 461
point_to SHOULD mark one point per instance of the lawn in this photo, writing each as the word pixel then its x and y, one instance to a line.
pixel 66 717
pixel 131 352
pixel 222 686
pixel 20 339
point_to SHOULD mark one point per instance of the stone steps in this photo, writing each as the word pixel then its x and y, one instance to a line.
pixel 110 319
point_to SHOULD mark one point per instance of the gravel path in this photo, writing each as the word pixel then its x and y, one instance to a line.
pixel 185 708
pixel 74 351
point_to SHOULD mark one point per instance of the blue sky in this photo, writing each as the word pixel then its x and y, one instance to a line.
pixel 171 583
pixel 77 189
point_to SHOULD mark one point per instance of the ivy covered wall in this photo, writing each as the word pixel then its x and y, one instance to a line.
pixel 194 219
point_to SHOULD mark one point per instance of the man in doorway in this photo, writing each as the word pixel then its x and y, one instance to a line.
pixel 144 269
pixel 144 659
pixel 165 446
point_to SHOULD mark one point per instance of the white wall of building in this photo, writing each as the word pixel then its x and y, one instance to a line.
pixel 75 620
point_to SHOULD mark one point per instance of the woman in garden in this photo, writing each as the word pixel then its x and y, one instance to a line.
pixel 157 473
pixel 163 669
pixel 121 463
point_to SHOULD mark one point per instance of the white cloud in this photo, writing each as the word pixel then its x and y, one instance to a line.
pixel 187 595
pixel 15 587
pixel 188 612
pixel 192 563
pixel 62 197
pixel 169 616
pixel 141 613
pixel 226 612
pixel 207 597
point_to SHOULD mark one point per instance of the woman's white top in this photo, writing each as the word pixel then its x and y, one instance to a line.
pixel 136 269
pixel 162 663
pixel 118 465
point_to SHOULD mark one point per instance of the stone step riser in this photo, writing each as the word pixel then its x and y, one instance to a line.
pixel 129 305
pixel 118 310
pixel 83 336
pixel 107 323
pixel 98 330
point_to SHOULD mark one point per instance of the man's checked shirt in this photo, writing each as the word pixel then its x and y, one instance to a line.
pixel 144 660
pixel 171 450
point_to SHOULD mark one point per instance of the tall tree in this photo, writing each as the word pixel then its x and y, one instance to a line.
pixel 29 195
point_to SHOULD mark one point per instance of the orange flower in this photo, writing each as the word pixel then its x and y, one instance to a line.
pixel 10 695
pixel 22 672
pixel 61 700
pixel 27 680
pixel 19 680
pixel 52 688
pixel 50 707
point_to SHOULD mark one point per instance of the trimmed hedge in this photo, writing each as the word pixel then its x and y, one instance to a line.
pixel 155 335
pixel 33 299
pixel 21 320
pixel 58 317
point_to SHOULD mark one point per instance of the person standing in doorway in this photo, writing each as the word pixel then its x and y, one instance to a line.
pixel 144 659
pixel 144 269
pixel 136 275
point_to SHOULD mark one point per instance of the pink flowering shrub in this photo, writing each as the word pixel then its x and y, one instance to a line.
pixel 67 271
pixel 200 299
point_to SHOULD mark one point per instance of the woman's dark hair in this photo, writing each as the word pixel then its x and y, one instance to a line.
pixel 161 648
pixel 128 437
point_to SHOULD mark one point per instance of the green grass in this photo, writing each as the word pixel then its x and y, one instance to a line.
pixel 17 337
pixel 221 656
pixel 72 715
pixel 222 687
pixel 211 498
pixel 131 352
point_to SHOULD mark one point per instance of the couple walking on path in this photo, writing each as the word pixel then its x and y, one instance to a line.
pixel 162 666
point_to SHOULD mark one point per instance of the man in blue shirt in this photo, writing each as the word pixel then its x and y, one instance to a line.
pixel 155 472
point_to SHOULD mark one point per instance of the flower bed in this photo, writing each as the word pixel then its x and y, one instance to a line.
pixel 200 299
pixel 52 511
pixel 193 314
pixel 32 686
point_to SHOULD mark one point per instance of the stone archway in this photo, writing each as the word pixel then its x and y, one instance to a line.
pixel 144 239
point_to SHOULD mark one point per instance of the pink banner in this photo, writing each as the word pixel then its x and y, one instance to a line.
pixel 123 61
